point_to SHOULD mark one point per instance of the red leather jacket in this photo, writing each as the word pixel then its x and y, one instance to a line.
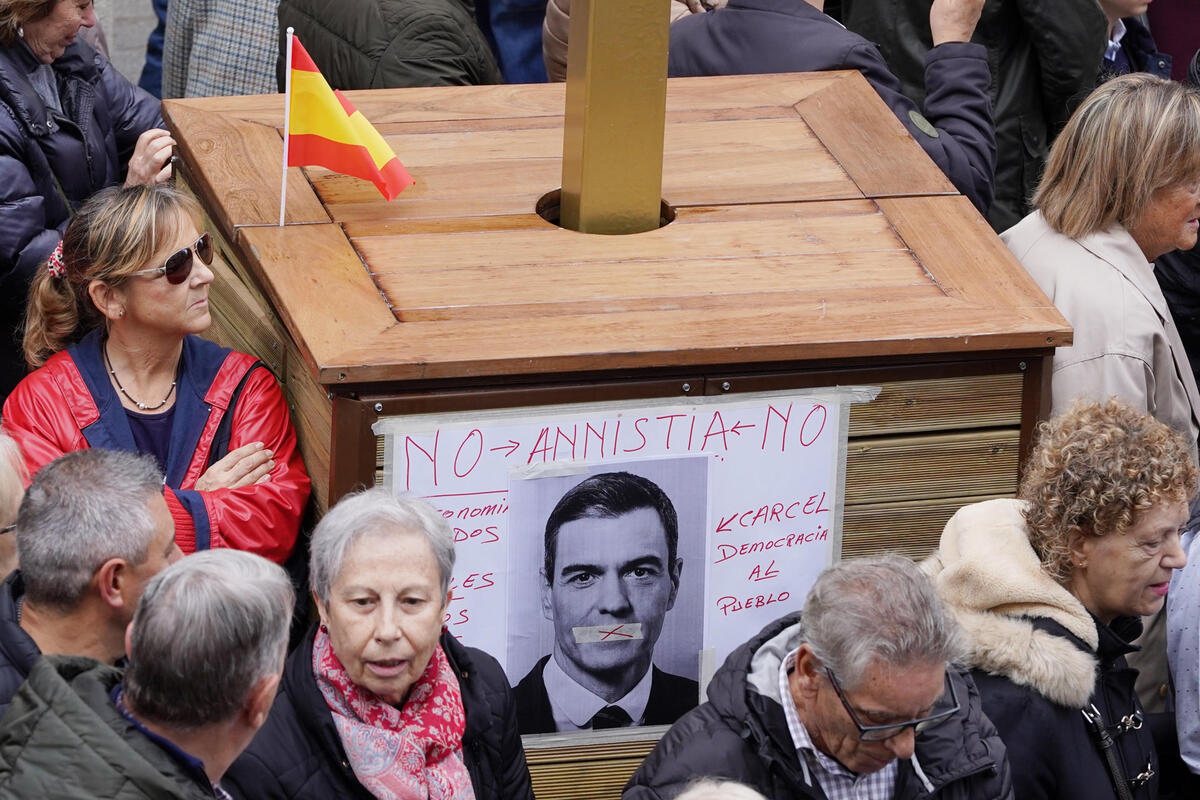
pixel 69 404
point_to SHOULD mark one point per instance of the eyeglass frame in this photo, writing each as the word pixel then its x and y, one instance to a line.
pixel 8 529
pixel 897 728
pixel 191 253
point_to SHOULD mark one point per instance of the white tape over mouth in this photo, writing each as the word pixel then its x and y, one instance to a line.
pixel 616 632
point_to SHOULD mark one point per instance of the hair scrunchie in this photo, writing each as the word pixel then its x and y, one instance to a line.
pixel 54 263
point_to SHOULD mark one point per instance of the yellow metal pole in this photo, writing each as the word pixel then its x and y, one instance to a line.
pixel 615 115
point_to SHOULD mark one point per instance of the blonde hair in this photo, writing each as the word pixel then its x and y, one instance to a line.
pixel 16 13
pixel 1094 470
pixel 115 233
pixel 1132 136
pixel 710 789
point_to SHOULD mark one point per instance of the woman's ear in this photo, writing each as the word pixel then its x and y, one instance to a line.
pixel 108 300
pixel 1080 543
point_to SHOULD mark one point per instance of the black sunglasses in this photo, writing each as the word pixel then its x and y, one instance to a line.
pixel 178 265
pixel 878 733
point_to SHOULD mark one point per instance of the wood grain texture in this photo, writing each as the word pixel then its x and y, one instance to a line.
pixel 236 167
pixel 463 279
pixel 869 142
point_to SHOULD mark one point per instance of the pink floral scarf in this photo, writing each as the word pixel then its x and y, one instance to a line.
pixel 409 753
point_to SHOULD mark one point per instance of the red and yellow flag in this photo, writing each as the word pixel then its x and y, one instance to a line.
pixel 326 130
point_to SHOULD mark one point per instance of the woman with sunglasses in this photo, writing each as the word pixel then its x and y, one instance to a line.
pixel 1050 588
pixel 112 333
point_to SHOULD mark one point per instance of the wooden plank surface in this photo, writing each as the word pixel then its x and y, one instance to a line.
pixel 236 167
pixel 483 286
pixel 911 528
pixel 952 403
pixel 875 149
pixel 951 465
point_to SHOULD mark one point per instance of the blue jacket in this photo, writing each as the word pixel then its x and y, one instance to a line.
pixel 763 36
pixel 51 162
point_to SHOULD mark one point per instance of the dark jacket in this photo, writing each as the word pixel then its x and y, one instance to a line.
pixel 51 162
pixel 1040 658
pixel 1044 56
pixel 1178 275
pixel 671 696
pixel 741 734
pixel 298 755
pixel 386 44
pixel 1053 753
pixel 63 739
pixel 18 651
pixel 1138 53
pixel 756 36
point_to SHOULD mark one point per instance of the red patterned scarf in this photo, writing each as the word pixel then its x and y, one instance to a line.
pixel 409 753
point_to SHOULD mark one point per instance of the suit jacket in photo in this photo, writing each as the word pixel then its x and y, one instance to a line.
pixel 671 696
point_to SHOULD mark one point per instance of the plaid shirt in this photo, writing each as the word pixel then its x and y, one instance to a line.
pixel 220 47
pixel 837 782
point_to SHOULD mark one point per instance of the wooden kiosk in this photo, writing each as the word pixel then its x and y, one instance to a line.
pixel 811 243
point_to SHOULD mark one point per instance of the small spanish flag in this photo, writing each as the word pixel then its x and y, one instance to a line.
pixel 326 130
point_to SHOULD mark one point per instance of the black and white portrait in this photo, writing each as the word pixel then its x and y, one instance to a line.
pixel 605 601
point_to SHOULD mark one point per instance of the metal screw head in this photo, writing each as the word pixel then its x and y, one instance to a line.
pixel 1021 366
pixel 687 387
pixel 725 387
pixel 378 407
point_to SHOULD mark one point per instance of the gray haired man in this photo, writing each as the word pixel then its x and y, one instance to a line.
pixel 92 530
pixel 852 697
pixel 206 649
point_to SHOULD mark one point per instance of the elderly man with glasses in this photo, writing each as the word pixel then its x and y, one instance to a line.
pixel 851 698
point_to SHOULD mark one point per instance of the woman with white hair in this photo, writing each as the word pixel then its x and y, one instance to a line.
pixel 381 701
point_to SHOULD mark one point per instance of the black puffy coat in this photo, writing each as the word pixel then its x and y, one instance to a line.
pixel 389 44
pixel 741 734
pixel 1044 56
pixel 18 651
pixel 1055 756
pixel 51 162
pixel 298 755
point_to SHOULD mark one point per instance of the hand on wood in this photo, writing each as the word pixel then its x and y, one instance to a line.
pixel 151 160
pixel 244 466
pixel 954 20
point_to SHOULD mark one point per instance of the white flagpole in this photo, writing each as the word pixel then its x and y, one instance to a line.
pixel 287 118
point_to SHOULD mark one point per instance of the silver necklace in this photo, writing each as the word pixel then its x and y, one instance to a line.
pixel 141 406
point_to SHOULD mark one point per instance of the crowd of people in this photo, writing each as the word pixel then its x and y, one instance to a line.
pixel 151 485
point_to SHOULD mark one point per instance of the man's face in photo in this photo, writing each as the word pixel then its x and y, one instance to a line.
pixel 609 571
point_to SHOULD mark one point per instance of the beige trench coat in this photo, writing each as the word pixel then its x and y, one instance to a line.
pixel 1126 343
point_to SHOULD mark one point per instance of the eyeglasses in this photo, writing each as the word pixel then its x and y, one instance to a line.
pixel 178 265
pixel 878 733
pixel 8 529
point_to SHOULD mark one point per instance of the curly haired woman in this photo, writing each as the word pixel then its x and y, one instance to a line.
pixel 1049 589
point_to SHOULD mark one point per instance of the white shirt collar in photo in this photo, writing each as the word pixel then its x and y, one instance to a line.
pixel 836 781
pixel 574 706
pixel 1114 41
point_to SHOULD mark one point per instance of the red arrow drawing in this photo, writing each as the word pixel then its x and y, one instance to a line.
pixel 511 447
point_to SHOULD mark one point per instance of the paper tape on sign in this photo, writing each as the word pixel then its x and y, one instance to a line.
pixel 608 633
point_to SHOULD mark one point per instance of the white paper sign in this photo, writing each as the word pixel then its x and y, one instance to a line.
pixel 754 482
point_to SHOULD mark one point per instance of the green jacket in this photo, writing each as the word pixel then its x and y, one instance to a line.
pixel 387 44
pixel 1044 56
pixel 63 739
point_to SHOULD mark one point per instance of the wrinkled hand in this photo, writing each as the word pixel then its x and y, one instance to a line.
pixel 700 6
pixel 954 20
pixel 151 160
pixel 244 466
